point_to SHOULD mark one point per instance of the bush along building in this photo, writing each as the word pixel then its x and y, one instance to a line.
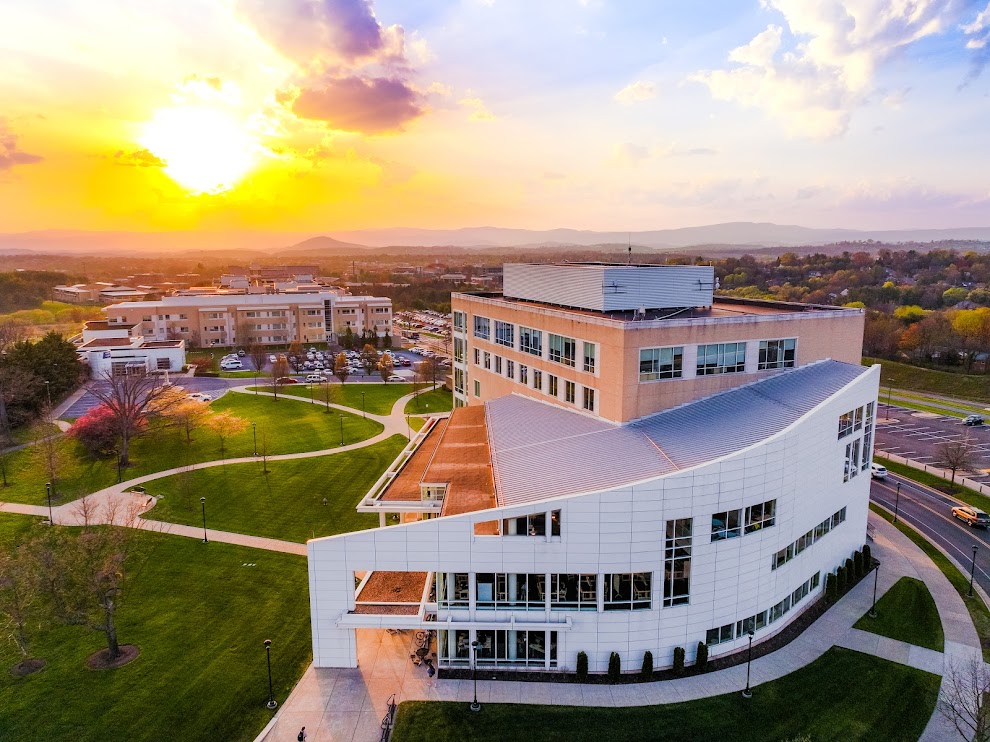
pixel 632 466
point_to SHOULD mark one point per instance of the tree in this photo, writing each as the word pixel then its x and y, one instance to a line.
pixel 386 367
pixel 189 415
pixel 226 424
pixel 258 355
pixel 52 359
pixel 280 370
pixel 341 367
pixel 264 449
pixel 965 698
pixel 369 359
pixel 429 371
pixel 18 596
pixel 11 332
pixel 21 394
pixel 328 393
pixel 129 399
pixel 347 340
pixel 96 430
pixel 50 455
pixel 296 356
pixel 387 341
pixel 955 455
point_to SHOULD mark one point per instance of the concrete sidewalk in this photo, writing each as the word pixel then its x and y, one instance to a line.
pixel 347 705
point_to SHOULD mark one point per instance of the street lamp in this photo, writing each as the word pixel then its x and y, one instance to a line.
pixel 342 428
pixel 897 501
pixel 48 488
pixel 886 416
pixel 117 453
pixel 408 429
pixel 876 577
pixel 972 570
pixel 202 502
pixel 254 430
pixel 475 706
pixel 363 413
pixel 48 391
pixel 272 703
pixel 747 693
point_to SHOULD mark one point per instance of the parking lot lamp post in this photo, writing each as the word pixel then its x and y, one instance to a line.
pixel 972 570
pixel 890 390
pixel 897 501
pixel 876 577
pixel 475 706
pixel 48 489
pixel 202 501
pixel 747 693
pixel 342 428
pixel 254 430
pixel 272 703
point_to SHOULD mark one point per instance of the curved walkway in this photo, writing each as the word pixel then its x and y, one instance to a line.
pixel 348 704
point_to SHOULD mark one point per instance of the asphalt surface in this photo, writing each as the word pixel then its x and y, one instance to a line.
pixel 930 512
pixel 917 436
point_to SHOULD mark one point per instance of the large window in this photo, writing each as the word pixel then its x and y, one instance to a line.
pixel 520 592
pixel 761 516
pixel 790 551
pixel 719 635
pixel 660 363
pixel 511 647
pixel 777 353
pixel 625 592
pixel 530 341
pixel 460 321
pixel 589 357
pixel 721 358
pixel 452 589
pixel 562 349
pixel 532 525
pixel 727 524
pixel 482 327
pixel 846 424
pixel 677 563
pixel 460 348
pixel 505 334
pixel 573 592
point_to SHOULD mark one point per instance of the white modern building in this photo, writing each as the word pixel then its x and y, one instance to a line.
pixel 541 529
pixel 118 350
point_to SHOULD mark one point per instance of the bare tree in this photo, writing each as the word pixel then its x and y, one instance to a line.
pixel 129 398
pixel 341 367
pixel 964 698
pixel 226 424
pixel 18 596
pixel 280 370
pixel 386 367
pixel 49 453
pixel 264 449
pixel 258 355
pixel 11 332
pixel 85 510
pixel 328 393
pixel 429 371
pixel 956 455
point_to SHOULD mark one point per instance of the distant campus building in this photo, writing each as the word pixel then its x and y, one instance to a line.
pixel 118 349
pixel 632 465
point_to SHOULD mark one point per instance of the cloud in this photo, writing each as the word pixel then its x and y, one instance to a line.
pixel 138 158
pixel 479 112
pixel 978 31
pixel 636 92
pixel 366 105
pixel 439 88
pixel 828 70
pixel 10 154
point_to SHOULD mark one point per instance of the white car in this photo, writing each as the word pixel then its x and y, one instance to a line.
pixel 314 379
pixel 272 359
pixel 395 377
pixel 200 397
pixel 878 472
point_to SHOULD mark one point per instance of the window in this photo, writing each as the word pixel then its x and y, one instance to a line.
pixel 182 316
pixel 753 623
pixel 726 525
pixel 552 385
pixel 477 388
pixel 460 321
pixel 498 364
pixel 569 389
pixel 523 374
pixel 510 369
pixel 845 424
pixel 760 516
pixel 164 363
pixel 459 378
pixel 721 358
pixel 460 347
pixel 858 419
pixel 589 357
pixel 785 555
pixel 452 589
pixel 504 334
pixel 589 399
pixel 573 592
pixel 867 442
pixel 677 563
pixel 625 592
pixel 497 591
pixel 477 357
pixel 511 647
pixel 777 353
pixel 852 460
pixel 562 349
pixel 482 328
pixel 530 341
pixel 660 363
pixel 454 647
pixel 537 379
pixel 719 635
pixel 532 525
pixel 488 360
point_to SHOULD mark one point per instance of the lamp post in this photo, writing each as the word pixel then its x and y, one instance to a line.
pixel 48 489
pixel 408 429
pixel 747 693
pixel 272 703
pixel 876 577
pixel 254 430
pixel 342 428
pixel 897 501
pixel 202 501
pixel 48 391
pixel 475 706
pixel 117 454
pixel 310 385
pixel 363 413
pixel 972 570
pixel 886 416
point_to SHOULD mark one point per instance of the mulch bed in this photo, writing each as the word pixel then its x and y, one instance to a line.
pixel 101 661
pixel 27 667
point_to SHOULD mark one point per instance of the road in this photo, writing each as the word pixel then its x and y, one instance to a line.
pixel 929 512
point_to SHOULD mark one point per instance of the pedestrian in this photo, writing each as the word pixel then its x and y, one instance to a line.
pixel 302 736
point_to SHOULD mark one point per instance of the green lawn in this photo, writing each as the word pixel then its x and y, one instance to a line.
pixel 904 376
pixel 291 426
pixel 978 610
pixel 967 495
pixel 199 614
pixel 243 374
pixel 378 398
pixel 32 432
pixel 907 612
pixel 843 696
pixel 437 400
pixel 416 422
pixel 285 504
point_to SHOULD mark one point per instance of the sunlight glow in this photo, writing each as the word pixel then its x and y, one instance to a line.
pixel 205 149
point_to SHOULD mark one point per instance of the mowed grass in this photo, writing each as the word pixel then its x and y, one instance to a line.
pixel 907 612
pixel 974 387
pixel 199 616
pixel 286 503
pixel 436 400
pixel 290 426
pixel 378 398
pixel 967 495
pixel 843 696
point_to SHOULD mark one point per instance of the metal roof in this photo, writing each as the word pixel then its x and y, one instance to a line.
pixel 540 450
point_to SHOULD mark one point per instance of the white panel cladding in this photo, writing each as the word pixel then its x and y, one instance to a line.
pixel 607 288
pixel 622 530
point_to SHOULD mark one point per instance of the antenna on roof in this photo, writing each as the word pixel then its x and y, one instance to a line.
pixel 629 239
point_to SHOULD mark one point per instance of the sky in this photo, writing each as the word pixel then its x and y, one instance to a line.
pixel 322 115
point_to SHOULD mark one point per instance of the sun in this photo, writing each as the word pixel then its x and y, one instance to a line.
pixel 205 149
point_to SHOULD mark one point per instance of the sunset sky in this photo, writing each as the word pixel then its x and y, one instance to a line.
pixel 316 115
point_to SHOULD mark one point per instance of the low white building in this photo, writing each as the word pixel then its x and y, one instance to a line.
pixel 542 531
pixel 121 349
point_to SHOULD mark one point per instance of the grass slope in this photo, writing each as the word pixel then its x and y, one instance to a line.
pixel 199 616
pixel 907 613
pixel 844 695
pixel 904 376
pixel 285 504
pixel 437 400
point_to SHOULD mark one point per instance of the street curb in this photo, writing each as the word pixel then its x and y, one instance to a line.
pixel 969 483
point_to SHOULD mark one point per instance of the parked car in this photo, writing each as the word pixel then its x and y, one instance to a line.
pixel 272 359
pixel 878 472
pixel 395 377
pixel 199 397
pixel 971 516
pixel 241 354
pixel 231 365
pixel 973 420
pixel 314 378
pixel 286 380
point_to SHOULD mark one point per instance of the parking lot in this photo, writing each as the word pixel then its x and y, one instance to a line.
pixel 917 436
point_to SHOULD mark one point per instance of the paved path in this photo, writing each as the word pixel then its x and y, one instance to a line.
pixel 347 705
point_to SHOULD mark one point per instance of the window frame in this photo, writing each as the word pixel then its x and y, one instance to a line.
pixel 660 369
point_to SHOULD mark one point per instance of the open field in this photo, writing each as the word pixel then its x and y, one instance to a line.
pixel 378 398
pixel 907 612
